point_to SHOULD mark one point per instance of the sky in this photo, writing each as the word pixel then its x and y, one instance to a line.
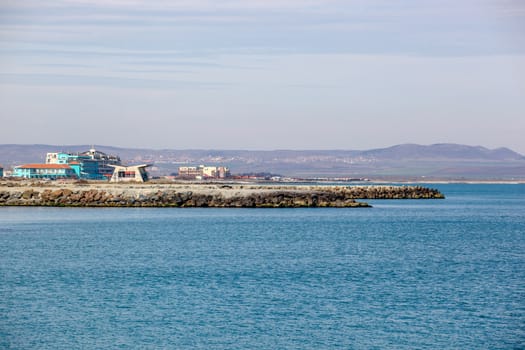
pixel 262 74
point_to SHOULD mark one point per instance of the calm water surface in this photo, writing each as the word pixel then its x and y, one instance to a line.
pixel 436 274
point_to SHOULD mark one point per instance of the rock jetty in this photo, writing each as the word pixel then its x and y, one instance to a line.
pixel 100 198
pixel 227 196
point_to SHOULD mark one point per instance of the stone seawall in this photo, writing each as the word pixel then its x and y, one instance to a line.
pixel 235 196
pixel 97 198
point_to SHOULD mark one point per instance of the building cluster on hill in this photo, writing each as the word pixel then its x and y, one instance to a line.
pixel 89 165
pixel 203 172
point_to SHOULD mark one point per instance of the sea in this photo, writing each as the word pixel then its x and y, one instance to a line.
pixel 405 274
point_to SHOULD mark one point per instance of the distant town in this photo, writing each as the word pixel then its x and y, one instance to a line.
pixel 406 162
pixel 99 166
pixel 96 165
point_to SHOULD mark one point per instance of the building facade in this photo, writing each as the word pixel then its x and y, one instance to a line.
pixel 44 171
pixel 104 161
pixel 189 172
pixel 134 173
pixel 203 172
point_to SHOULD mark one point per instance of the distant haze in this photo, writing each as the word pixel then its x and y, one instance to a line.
pixel 407 161
pixel 254 74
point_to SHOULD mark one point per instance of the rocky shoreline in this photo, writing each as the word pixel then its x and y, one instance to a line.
pixel 203 195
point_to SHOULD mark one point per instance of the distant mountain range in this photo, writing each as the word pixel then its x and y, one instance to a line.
pixel 443 151
pixel 407 161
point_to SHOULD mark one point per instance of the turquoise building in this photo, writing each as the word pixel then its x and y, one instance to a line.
pixel 84 166
pixel 44 171
pixel 57 158
pixel 91 165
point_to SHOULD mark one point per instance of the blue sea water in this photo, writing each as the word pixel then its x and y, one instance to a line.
pixel 406 274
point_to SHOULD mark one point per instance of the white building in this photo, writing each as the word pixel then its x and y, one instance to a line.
pixel 134 173
pixel 204 172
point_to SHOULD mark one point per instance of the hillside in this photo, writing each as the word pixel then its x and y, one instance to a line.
pixel 442 151
pixel 442 161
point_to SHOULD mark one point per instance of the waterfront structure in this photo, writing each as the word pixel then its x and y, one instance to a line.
pixel 105 161
pixel 84 166
pixel 92 164
pixel 134 173
pixel 203 172
pixel 44 171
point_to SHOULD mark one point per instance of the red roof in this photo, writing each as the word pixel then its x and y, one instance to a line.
pixel 44 166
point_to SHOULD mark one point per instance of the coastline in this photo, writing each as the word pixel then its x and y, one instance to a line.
pixel 468 182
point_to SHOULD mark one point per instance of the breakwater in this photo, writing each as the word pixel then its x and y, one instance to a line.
pixel 229 196
pixel 97 198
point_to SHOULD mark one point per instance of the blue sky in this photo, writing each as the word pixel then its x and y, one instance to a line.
pixel 257 74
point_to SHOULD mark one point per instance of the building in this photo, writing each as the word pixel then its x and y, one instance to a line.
pixel 57 158
pixel 92 164
pixel 189 172
pixel 44 171
pixel 223 172
pixel 84 166
pixel 134 173
pixel 209 171
pixel 105 161
pixel 203 172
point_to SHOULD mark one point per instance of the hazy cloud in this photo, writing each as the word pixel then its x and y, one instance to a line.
pixel 312 73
